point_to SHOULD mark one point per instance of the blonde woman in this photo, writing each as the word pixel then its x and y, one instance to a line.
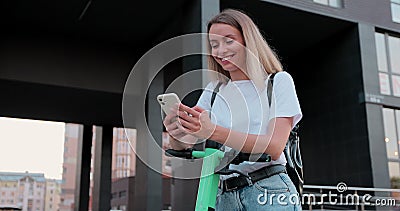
pixel 242 118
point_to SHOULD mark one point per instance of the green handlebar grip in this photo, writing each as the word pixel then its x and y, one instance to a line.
pixel 198 154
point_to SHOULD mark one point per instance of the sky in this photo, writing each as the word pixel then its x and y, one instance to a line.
pixel 32 145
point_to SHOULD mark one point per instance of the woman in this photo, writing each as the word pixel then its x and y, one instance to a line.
pixel 241 116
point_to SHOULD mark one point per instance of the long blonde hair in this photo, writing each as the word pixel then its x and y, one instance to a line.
pixel 260 61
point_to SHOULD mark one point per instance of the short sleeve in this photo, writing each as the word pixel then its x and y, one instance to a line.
pixel 205 97
pixel 284 98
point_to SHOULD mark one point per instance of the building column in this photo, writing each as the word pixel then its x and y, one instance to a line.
pixel 84 156
pixel 148 179
pixel 101 195
pixel 376 133
pixel 196 16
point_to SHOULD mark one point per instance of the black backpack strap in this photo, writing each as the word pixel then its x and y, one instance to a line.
pixel 269 88
pixel 211 143
pixel 216 90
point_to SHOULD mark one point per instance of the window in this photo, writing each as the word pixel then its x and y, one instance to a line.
pixel 391 122
pixel 394 53
pixel 388 52
pixel 122 194
pixel 395 6
pixel 381 52
pixel 332 3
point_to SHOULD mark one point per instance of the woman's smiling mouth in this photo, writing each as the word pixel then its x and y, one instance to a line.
pixel 226 58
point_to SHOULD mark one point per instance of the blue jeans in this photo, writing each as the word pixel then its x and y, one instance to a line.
pixel 274 193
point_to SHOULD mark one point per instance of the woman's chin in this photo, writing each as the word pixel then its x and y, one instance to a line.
pixel 230 68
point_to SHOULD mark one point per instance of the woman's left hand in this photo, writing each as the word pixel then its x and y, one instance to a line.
pixel 195 121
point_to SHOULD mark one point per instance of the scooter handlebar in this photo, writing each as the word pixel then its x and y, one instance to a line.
pixel 186 153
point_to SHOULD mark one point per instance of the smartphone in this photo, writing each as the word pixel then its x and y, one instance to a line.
pixel 168 101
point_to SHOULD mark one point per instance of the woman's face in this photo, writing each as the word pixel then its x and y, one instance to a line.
pixel 227 47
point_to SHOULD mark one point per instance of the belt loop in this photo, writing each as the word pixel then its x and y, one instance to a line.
pixel 248 178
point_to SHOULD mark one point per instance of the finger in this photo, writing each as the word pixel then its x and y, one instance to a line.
pixel 171 127
pixel 180 127
pixel 174 111
pixel 169 122
pixel 189 110
pixel 204 115
pixel 169 117
pixel 198 109
pixel 185 116
pixel 177 133
pixel 188 125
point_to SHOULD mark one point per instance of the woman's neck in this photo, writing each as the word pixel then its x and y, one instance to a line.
pixel 238 75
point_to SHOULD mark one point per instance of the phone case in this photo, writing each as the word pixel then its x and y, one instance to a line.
pixel 168 101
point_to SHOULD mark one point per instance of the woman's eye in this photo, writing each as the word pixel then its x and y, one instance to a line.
pixel 214 46
pixel 229 41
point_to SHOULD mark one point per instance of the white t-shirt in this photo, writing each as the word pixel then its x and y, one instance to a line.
pixel 241 107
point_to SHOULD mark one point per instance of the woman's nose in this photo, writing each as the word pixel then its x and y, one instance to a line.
pixel 222 50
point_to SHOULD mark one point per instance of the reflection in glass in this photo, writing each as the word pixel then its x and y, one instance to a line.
pixel 321 1
pixel 381 52
pixel 394 169
pixel 390 133
pixel 394 173
pixel 335 3
pixel 395 11
pixel 396 85
pixel 398 126
pixel 332 3
pixel 384 83
pixel 394 53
